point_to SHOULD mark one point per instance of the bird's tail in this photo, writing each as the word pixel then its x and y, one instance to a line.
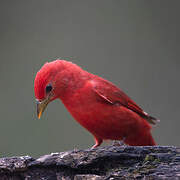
pixel 152 120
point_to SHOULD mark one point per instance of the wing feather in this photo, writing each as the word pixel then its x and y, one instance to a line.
pixel 115 96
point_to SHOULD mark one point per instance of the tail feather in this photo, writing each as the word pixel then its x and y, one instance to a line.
pixel 152 120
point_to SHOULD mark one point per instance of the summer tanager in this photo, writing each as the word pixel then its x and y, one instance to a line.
pixel 98 105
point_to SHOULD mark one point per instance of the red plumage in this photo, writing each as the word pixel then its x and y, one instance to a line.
pixel 98 105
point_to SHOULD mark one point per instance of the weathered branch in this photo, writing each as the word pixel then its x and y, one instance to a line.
pixel 113 162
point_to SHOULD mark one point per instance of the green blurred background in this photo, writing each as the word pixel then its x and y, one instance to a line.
pixel 135 44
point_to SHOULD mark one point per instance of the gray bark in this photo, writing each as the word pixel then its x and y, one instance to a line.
pixel 112 162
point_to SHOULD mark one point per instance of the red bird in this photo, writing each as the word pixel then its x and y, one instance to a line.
pixel 98 105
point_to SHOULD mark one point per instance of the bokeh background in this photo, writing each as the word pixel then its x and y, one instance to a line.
pixel 134 44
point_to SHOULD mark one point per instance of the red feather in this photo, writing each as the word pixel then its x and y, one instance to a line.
pixel 98 105
pixel 112 94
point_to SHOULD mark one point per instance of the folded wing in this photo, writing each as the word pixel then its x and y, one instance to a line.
pixel 115 96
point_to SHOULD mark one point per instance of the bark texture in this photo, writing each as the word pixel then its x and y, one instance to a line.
pixel 112 162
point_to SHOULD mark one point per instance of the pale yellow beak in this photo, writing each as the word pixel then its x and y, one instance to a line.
pixel 41 106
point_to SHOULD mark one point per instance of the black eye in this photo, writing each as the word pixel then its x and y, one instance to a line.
pixel 48 88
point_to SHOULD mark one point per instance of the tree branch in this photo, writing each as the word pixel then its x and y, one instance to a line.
pixel 156 162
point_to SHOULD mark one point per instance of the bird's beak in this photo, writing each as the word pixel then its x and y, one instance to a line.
pixel 41 106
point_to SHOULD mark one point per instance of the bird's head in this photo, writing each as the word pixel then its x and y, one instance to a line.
pixel 51 82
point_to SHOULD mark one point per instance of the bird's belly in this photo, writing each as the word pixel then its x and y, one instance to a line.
pixel 106 121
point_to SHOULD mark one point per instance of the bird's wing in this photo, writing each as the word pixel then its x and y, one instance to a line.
pixel 115 96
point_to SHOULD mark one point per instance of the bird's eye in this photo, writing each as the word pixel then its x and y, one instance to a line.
pixel 48 88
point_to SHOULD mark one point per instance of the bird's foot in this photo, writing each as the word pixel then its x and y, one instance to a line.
pixel 98 142
pixel 94 146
